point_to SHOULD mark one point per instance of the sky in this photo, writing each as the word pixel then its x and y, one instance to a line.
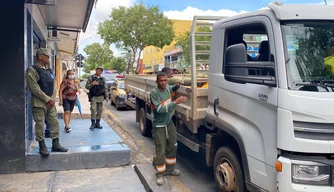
pixel 176 9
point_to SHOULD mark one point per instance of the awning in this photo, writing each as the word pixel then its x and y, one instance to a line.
pixel 66 18
pixel 70 14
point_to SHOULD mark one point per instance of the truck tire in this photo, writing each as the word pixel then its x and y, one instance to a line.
pixel 229 175
pixel 145 125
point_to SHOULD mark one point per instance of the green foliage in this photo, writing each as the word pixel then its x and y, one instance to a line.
pixel 314 46
pixel 184 41
pixel 128 57
pixel 137 27
pixel 85 76
pixel 97 55
pixel 117 63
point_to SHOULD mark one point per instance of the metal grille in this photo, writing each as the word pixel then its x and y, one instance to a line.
pixel 314 131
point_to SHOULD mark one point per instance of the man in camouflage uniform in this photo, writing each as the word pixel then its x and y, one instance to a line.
pixel 40 82
pixel 98 92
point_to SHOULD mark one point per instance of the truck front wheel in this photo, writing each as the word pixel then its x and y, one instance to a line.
pixel 145 125
pixel 228 172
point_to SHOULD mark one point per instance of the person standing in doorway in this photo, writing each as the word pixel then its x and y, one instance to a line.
pixel 40 82
pixel 67 97
pixel 164 131
pixel 98 92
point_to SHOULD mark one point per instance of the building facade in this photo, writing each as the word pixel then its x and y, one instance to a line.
pixel 154 57
pixel 31 24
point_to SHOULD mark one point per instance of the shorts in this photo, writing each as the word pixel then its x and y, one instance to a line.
pixel 68 105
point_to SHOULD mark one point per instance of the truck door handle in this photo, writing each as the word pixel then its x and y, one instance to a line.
pixel 215 103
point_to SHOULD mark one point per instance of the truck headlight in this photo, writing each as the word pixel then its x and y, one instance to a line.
pixel 310 173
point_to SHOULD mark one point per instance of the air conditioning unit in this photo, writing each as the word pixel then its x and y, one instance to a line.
pixel 53 35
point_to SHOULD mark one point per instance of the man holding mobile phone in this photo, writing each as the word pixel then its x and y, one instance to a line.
pixel 98 90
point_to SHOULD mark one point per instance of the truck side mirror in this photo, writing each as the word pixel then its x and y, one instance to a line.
pixel 236 55
pixel 237 68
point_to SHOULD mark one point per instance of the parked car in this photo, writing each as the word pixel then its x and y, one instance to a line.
pixel 119 97
pixel 110 78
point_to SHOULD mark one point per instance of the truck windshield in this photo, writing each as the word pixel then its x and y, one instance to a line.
pixel 310 55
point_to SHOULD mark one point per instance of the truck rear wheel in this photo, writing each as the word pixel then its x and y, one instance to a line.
pixel 228 172
pixel 145 125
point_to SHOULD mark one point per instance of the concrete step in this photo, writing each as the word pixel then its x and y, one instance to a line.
pixel 86 149
pixel 84 157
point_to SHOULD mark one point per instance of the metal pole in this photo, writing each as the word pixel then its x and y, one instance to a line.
pixel 79 65
pixel 79 70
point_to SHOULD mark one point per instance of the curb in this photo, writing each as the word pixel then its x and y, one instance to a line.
pixel 120 124
pixel 142 179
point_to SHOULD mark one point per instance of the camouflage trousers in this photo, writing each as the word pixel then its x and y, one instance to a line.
pixel 40 115
pixel 96 106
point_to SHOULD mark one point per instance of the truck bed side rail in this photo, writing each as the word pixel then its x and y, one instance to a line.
pixel 200 42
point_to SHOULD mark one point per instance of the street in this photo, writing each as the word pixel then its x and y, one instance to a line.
pixel 195 175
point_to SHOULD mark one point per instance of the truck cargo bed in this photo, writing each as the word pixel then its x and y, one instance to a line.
pixel 193 112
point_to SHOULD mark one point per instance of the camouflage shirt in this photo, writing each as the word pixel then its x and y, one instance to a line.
pixel 89 85
pixel 38 97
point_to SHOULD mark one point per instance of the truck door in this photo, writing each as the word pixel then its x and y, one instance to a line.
pixel 247 109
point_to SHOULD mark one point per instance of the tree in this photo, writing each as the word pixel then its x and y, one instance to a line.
pixel 97 55
pixel 184 41
pixel 117 63
pixel 128 57
pixel 314 44
pixel 137 27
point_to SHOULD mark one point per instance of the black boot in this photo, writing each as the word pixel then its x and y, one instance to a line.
pixel 56 147
pixel 42 149
pixel 93 125
pixel 97 125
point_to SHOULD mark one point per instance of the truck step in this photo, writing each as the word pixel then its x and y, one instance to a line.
pixel 189 143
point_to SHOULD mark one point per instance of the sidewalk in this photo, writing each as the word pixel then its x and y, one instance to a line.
pixel 106 179
pixel 97 160
pixel 88 149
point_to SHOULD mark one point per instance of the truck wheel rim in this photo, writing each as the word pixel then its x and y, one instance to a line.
pixel 225 175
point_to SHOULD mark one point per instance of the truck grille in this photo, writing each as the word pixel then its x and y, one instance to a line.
pixel 315 131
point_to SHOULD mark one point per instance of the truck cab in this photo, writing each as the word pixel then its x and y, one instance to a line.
pixel 270 115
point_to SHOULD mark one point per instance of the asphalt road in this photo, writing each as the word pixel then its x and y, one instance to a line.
pixel 195 175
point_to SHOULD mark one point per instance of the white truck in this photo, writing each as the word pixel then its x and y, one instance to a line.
pixel 265 123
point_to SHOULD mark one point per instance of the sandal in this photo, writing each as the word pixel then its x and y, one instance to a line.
pixel 67 129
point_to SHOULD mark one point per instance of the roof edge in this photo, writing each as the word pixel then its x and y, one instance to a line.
pixel 88 14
